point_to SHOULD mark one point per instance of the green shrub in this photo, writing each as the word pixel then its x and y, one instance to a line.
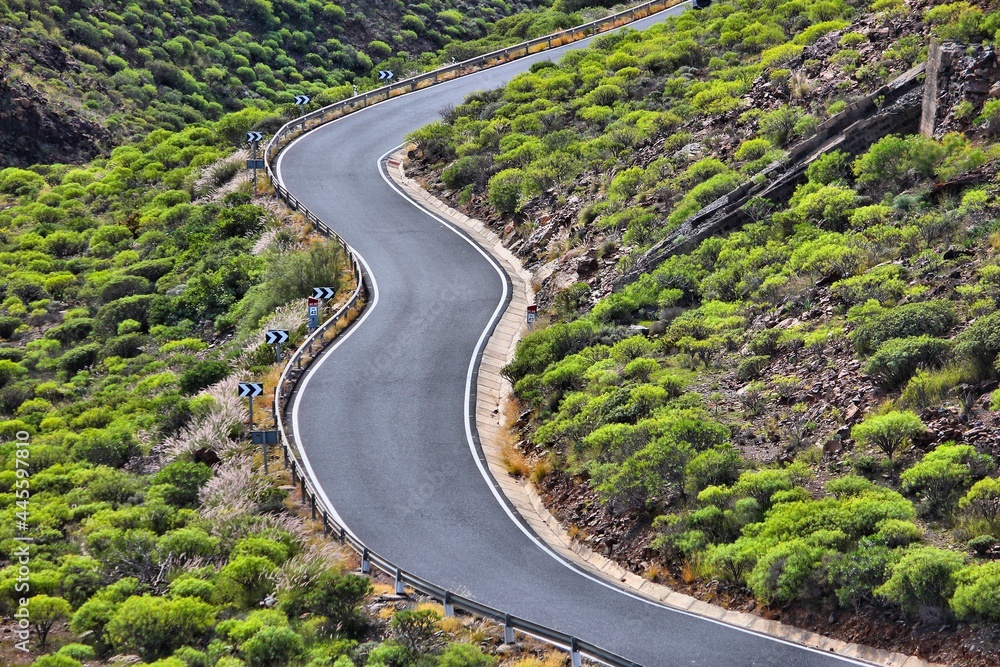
pixel 289 276
pixel 893 533
pixel 186 478
pixel 930 318
pixel 980 343
pixel 248 578
pixel 20 182
pixel 202 374
pixel 924 578
pixel 752 149
pixel 464 655
pixel 126 347
pixel 898 359
pixel 122 286
pixel 641 479
pixel 110 315
pixel 783 126
pixel 469 170
pixel 272 646
pixel 8 325
pixel 154 627
pixel 504 190
pixel 884 284
pixel 79 358
pixel 828 168
pixel 71 331
pixel 983 502
pixel 719 466
pixel 56 660
pixel 790 571
pixel 888 432
pixel 977 592
pixel 944 474
pixel 849 485
pixel 857 574
pixel 335 596
pixel 76 651
pixel 750 368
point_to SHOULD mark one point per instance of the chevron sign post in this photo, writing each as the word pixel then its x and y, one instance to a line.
pixel 385 74
pixel 253 138
pixel 276 337
pixel 248 390
pixel 302 101
pixel 325 293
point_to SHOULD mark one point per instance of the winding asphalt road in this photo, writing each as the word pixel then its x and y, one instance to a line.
pixel 383 419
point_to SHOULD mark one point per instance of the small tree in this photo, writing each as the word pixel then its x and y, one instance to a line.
pixel 45 611
pixel 888 432
pixel 338 597
pixel 417 631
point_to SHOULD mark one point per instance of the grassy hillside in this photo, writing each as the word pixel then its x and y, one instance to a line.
pixel 80 77
pixel 810 427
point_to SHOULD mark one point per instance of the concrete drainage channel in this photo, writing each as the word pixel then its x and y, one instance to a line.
pixel 313 345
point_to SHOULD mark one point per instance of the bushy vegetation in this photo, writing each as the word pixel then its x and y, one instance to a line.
pixel 137 66
pixel 591 113
pixel 133 287
pixel 866 272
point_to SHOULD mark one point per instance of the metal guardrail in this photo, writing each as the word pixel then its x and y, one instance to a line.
pixel 294 366
pixel 500 56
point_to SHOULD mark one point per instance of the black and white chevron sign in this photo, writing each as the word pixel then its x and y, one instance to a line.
pixel 302 100
pixel 385 74
pixel 254 137
pixel 250 389
pixel 323 292
pixel 273 336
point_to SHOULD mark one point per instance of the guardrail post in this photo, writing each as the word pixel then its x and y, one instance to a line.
pixel 312 505
pixel 399 582
pixel 284 450
pixel 449 606
pixel 343 535
pixel 302 488
pixel 366 564
pixel 508 630
pixel 574 653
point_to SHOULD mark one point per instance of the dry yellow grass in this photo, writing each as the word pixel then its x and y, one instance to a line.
pixel 689 572
pixel 514 460
pixel 540 469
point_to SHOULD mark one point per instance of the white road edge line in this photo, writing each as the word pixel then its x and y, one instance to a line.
pixel 371 307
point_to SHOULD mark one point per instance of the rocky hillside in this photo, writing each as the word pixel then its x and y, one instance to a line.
pixel 797 416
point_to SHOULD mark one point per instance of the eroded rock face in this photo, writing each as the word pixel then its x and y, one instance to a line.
pixel 33 130
pixel 959 77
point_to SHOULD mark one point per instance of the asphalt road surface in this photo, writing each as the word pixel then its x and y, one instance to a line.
pixel 383 419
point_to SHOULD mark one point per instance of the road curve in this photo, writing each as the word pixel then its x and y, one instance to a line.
pixel 383 418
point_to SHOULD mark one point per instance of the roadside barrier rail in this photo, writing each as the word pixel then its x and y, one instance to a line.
pixel 294 368
pixel 333 111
